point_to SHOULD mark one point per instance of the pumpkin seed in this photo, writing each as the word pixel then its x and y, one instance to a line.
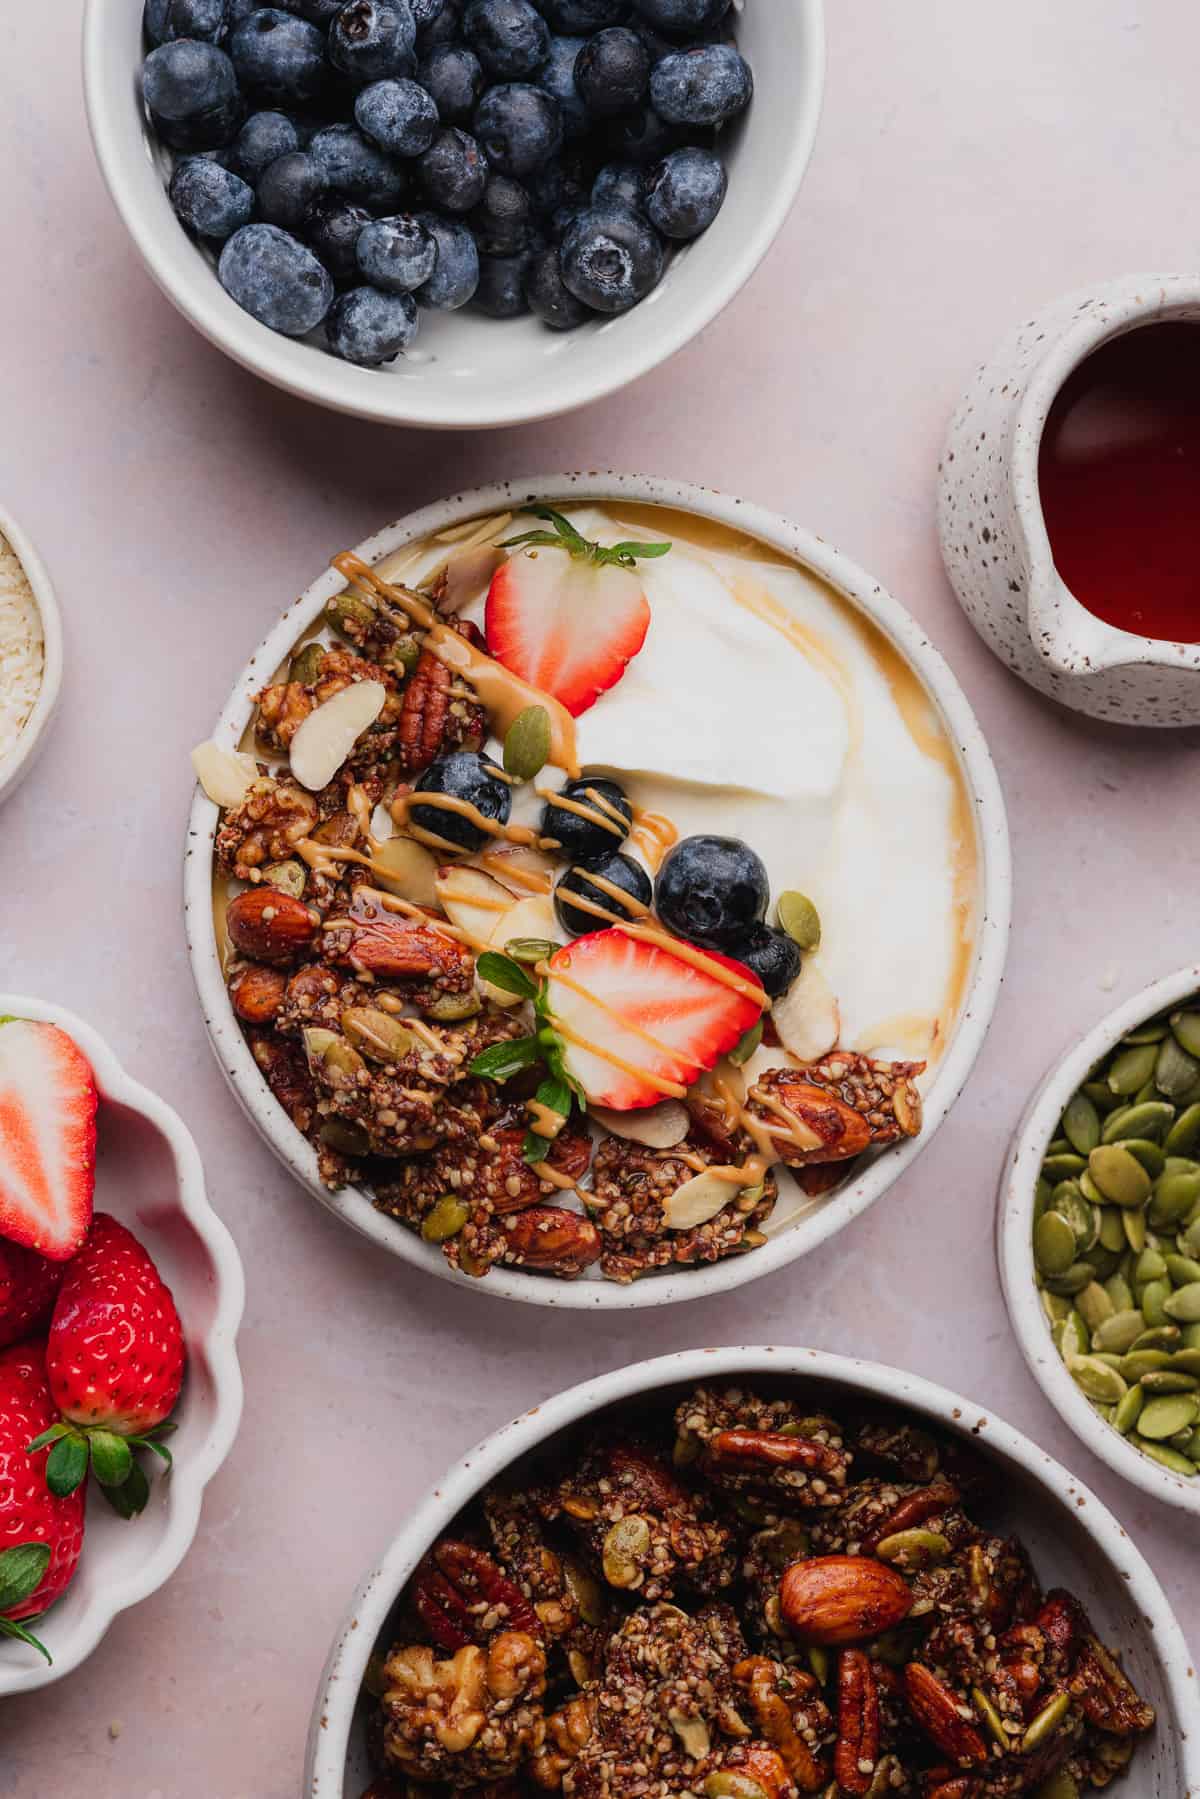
pixel 1095 1379
pixel 1186 1361
pixel 746 1045
pixel 820 1661
pixel 1149 1266
pixel 347 1138
pixel 1112 1231
pixel 1184 1135
pixel 305 665
pixel 1176 1073
pixel 800 919
pixel 626 1543
pixel 1169 1380
pixel 1134 1226
pixel 1153 1031
pixel 1080 1123
pixel 1100 1096
pixel 914 1549
pixel 1072 1336
pixel 1104 1262
pixel 1060 1785
pixel 1148 1092
pixel 1184 1305
pixel 1173 1197
pixel 1154 1302
pixel 1120 1292
pixel 1062 1164
pixel 448 1008
pixel 1148 1154
pixel 1108 1358
pixel 1165 1457
pixel 1058 1146
pixel 1082 1218
pixel 1163 1336
pixel 288 877
pixel 1161 1418
pixel 1131 1069
pixel 403 654
pixel 1055 1308
pixel 589 1601
pixel 1118 1332
pixel 1053 1244
pixel 1185 1027
pixel 377 1034
pixel 349 614
pixel 1191 1448
pixel 1129 1409
pixel 1141 1362
pixel 527 743
pixel 1078 1276
pixel 1094 1305
pixel 991 1718
pixel 1119 1175
pixel 445 1220
pixel 1189 1239
pixel 1190 1336
pixel 1182 1271
pixel 1152 1119
pixel 1046 1723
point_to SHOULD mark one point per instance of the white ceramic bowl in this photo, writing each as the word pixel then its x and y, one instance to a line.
pixel 1014 1246
pixel 148 1175
pixel 863 1188
pixel 466 371
pixel 1074 1542
pixel 15 767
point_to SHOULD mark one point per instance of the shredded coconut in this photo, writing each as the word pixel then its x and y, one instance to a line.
pixel 21 651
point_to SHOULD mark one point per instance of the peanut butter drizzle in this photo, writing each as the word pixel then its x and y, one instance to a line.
pixel 401 809
pixel 544 1121
pixel 554 1177
pixel 686 952
pixel 532 878
pixel 502 694
pixel 604 885
pixel 670 1089
pixel 654 834
pixel 599 812
pixel 634 1030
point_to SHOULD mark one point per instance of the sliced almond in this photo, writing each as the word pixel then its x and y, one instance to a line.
pixel 329 733
pixel 471 900
pixel 411 871
pixel 225 775
pixel 697 1201
pixel 526 872
pixel 692 1733
pixel 468 574
pixel 531 919
pixel 807 1017
pixel 658 1127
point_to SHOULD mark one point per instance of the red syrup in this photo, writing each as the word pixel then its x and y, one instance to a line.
pixel 1119 471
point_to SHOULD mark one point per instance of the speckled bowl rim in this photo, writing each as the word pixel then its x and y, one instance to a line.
pixel 337 1695
pixel 1014 1246
pixel 992 939
pixel 15 767
pixel 185 1489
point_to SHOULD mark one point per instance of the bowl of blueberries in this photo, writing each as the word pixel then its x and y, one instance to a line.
pixel 453 213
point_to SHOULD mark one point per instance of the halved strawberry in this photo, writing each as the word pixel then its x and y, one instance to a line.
pixel 635 1016
pixel 29 1284
pixel 568 615
pixel 47 1138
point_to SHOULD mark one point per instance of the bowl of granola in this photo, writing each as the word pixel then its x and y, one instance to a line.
pixel 596 877
pixel 747 1573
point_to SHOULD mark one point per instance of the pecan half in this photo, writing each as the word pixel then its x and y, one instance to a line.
pixel 759 1677
pixel 1106 1695
pixel 461 1596
pixel 914 1509
pixel 397 949
pixel 423 713
pixel 836 1599
pixel 257 993
pixel 940 1715
pixel 857 1749
pixel 270 926
pixel 774 1449
pixel 960 1786
pixel 286 1069
pixel 553 1240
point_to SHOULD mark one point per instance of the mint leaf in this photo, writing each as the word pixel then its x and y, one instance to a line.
pixel 555 1094
pixel 506 974
pixel 500 1061
pixel 67 1465
pixel 535 1149
pixel 21 1572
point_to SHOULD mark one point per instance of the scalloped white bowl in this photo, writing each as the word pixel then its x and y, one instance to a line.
pixel 465 371
pixel 865 1187
pixel 148 1174
pixel 1014 1243
pixel 15 767
pixel 1074 1541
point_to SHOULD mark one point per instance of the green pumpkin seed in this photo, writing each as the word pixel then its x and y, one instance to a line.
pixel 1104 1262
pixel 991 1718
pixel 1185 1027
pixel 800 919
pixel 1101 1098
pixel 1080 1123
pixel 1062 1164
pixel 1161 1418
pixel 530 949
pixel 1072 1337
pixel 1046 1723
pixel 1149 1266
pixel 1131 1069
pixel 1083 1219
pixel 1055 1308
pixel 1096 1379
pixel 1165 1457
pixel 1141 1362
pixel 1151 1119
pixel 1184 1135
pixel 1176 1074
pixel 1121 1293
pixel 1189 1239
pixel 1163 1336
pixel 1129 1409
pixel 350 615
pixel 288 877
pixel 527 743
pixel 1155 1295
pixel 448 1008
pixel 1184 1305
pixel 1078 1276
pixel 378 1034
pixel 1186 1361
pixel 306 663
pixel 1148 1092
pixel 914 1549
pixel 1058 1146
pixel 1148 1154
pixel 1053 1244
pixel 402 655
pixel 1173 1197
pixel 1095 1307
pixel 1042 1192
pixel 1153 1031
pixel 1170 1380
pixel 1191 1448
pixel 1118 1333
pixel 1134 1226
pixel 1060 1785
pixel 445 1220
pixel 1111 1234
pixel 1182 1271
pixel 347 1138
pixel 1119 1175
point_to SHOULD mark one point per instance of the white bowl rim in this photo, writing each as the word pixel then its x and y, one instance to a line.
pixel 203 303
pixel 17 765
pixel 338 1691
pixel 992 937
pixel 188 1479
pixel 1014 1250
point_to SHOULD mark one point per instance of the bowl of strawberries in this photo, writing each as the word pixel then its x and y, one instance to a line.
pixel 120 1297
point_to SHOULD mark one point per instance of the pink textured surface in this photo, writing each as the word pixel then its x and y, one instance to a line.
pixel 972 163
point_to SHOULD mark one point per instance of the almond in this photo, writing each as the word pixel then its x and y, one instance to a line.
pixel 270 926
pixel 835 1599
pixel 225 775
pixel 329 733
pixel 257 994
pixel 658 1127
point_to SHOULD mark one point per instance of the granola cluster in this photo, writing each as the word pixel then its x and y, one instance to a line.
pixel 750 1598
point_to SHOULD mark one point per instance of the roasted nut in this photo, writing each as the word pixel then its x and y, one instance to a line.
pixel 397 949
pixel 857 1749
pixel 940 1715
pixel 332 1059
pixel 550 1237
pixel 836 1599
pixel 257 993
pixel 347 1138
pixel 692 1732
pixel 423 714
pixel 773 1717
pixel 377 1035
pixel 625 1548
pixel 270 926
pixel 775 1449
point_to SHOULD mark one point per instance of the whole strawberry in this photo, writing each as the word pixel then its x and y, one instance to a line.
pixel 28 1284
pixel 115 1361
pixel 41 1533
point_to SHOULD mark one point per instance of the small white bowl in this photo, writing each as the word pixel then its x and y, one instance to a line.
pixel 1014 1243
pixel 465 371
pixel 1074 1542
pixel 148 1175
pixel 15 767
pixel 863 1188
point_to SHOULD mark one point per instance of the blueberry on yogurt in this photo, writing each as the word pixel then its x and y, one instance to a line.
pixel 712 891
pixel 275 279
pixel 370 328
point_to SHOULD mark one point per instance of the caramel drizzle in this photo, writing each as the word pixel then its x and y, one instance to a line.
pixel 633 1030
pixel 654 834
pixel 533 879
pixel 401 810
pixel 599 812
pixel 544 1121
pixel 669 1089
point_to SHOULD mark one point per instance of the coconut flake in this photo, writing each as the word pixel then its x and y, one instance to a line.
pixel 225 775
pixel 806 1017
pixel 329 733
pixel 697 1201
pixel 658 1127
pixel 468 573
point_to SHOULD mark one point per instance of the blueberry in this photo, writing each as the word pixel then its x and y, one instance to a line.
pixel 629 876
pixel 372 40
pixel 686 18
pixel 192 93
pixel 399 116
pixel 504 217
pixel 771 955
pixel 501 290
pixel 263 137
pixel 548 299
pixel 613 72
pixel 453 77
pixel 167 19
pixel 562 184
pixel 444 28
pixel 286 190
pixel 508 36
pixel 426 14
pixel 610 258
pixel 453 170
pixel 601 833
pixel 620 184
pixel 685 191
pixel 333 228
pixel 278 57
pixel 640 136
pixel 317 12
pixel 396 255
pixel 275 279
pixel 209 201
pixel 703 86
pixel 585 16
pixel 519 127
pixel 711 890
pixel 556 77
pixel 456 276
pixel 352 165
pixel 241 9
pixel 463 776
pixel 369 328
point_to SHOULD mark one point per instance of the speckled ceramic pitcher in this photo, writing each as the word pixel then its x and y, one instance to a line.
pixel 993 535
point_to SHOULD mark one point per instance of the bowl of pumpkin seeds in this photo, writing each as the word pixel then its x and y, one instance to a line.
pixel 1099 1239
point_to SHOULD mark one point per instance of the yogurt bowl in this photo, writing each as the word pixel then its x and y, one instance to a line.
pixel 781 698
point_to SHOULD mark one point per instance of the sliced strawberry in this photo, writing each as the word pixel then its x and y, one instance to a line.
pixel 28 1285
pixel 635 1016
pixel 47 1138
pixel 568 615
